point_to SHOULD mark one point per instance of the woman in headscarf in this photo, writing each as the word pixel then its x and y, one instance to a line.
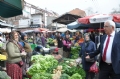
pixel 28 50
pixel 87 46
pixel 26 45
pixel 15 53
pixel 38 39
pixel 66 46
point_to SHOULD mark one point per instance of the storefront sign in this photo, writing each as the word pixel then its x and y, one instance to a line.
pixel 35 25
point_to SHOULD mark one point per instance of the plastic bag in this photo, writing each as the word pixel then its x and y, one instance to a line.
pixel 94 68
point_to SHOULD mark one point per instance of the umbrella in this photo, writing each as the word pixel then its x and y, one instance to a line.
pixel 90 30
pixel 116 17
pixel 76 25
pixel 99 18
pixel 117 25
pixel 65 29
pixel 28 31
pixel 43 29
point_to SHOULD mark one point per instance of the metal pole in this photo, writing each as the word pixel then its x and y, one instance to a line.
pixel 56 25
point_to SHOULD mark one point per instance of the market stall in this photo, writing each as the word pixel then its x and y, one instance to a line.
pixel 65 29
pixel 47 67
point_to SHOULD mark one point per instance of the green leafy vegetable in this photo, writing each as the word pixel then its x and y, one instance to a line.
pixel 3 75
pixel 76 76
pixel 75 52
pixel 42 64
pixel 50 41
pixel 71 69
pixel 64 76
pixel 42 76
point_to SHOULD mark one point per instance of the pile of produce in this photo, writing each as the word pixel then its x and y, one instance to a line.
pixel 50 41
pixel 75 51
pixel 47 46
pixel 41 64
pixel 47 67
pixel 72 69
pixel 42 76
pixel 3 75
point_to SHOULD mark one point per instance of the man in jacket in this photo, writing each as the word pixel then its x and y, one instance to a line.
pixel 109 50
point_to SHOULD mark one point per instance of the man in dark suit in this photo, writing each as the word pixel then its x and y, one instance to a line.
pixel 109 50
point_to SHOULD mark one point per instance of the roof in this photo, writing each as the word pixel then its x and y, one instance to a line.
pixel 78 12
pixel 70 16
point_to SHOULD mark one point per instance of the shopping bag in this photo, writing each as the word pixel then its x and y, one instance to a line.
pixel 94 68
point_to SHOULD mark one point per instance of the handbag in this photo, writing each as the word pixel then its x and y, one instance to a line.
pixel 90 59
pixel 94 68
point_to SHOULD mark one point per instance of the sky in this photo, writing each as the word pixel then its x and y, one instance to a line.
pixel 63 6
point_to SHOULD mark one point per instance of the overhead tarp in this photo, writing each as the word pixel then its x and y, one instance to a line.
pixel 117 25
pixel 76 25
pixel 4 25
pixel 65 29
pixel 10 8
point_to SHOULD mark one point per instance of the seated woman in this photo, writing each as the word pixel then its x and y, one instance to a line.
pixel 56 54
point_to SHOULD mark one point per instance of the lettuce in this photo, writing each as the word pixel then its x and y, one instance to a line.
pixel 42 64
pixel 76 76
pixel 42 76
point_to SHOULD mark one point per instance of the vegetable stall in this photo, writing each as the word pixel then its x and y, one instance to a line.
pixel 47 67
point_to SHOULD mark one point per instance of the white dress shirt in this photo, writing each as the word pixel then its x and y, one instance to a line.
pixel 109 49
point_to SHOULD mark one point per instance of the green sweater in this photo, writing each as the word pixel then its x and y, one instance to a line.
pixel 13 52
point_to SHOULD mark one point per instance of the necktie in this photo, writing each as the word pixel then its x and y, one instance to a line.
pixel 105 49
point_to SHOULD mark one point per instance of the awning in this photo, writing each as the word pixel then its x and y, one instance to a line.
pixel 4 25
pixel 65 29
pixel 76 25
pixel 10 8
pixel 35 26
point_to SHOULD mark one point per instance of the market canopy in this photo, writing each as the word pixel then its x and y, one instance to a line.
pixel 70 16
pixel 76 25
pixel 10 8
pixel 116 17
pixel 65 29
pixel 4 25
pixel 99 18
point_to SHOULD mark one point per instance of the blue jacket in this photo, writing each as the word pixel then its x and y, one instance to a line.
pixel 89 48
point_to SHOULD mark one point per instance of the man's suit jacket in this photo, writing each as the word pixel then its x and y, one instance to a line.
pixel 115 52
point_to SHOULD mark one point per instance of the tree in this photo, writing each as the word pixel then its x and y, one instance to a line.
pixel 116 11
pixel 89 11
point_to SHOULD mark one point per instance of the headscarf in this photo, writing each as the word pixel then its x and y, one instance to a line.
pixel 86 41
pixel 22 36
